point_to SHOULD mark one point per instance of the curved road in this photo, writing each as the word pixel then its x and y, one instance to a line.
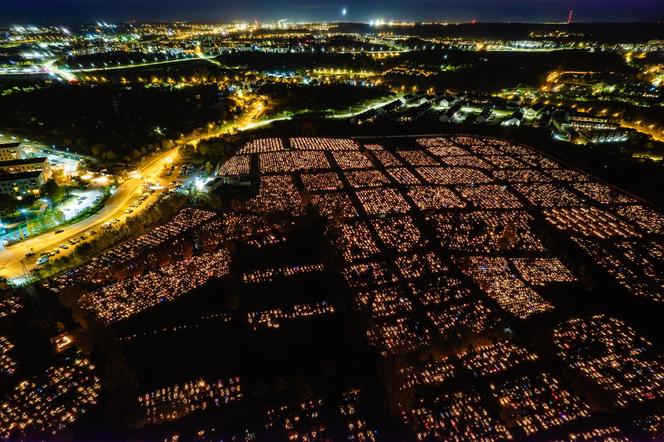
pixel 13 258
pixel 13 261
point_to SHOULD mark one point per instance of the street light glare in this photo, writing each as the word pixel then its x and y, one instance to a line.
pixel 200 183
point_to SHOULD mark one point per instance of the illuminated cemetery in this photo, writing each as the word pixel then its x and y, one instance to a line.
pixel 437 253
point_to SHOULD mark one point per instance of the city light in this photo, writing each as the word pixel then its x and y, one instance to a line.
pixel 101 180
pixel 304 230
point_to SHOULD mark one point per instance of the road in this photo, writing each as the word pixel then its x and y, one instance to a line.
pixel 54 70
pixel 250 120
pixel 49 67
pixel 13 261
pixel 144 64
pixel 372 105
pixel 650 130
pixel 13 258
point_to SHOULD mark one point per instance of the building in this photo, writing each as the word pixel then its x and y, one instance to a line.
pixel 514 120
pixel 26 165
pixel 485 115
pixel 453 113
pixel 533 112
pixel 414 113
pixel 11 151
pixel 368 116
pixel 235 181
pixel 391 107
pixel 21 184
pixel 586 122
pixel 605 136
pixel 415 99
pixel 447 100
pixel 589 129
pixel 21 176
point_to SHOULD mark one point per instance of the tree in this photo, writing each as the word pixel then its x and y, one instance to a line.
pixel 59 216
pixel 8 204
pixel 98 149
pixel 53 191
pixel 208 167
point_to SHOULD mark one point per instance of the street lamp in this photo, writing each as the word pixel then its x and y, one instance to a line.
pixel 23 212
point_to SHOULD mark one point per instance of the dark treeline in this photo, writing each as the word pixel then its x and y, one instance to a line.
pixel 110 121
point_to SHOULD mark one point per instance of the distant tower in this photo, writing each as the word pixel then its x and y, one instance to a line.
pixel 570 16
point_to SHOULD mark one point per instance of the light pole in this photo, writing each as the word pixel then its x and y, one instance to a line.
pixel 23 212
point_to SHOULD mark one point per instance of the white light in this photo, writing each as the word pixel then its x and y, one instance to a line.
pixel 344 11
pixel 200 184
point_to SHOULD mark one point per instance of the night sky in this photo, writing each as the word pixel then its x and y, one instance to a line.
pixel 73 11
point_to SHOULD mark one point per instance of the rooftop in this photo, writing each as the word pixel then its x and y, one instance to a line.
pixel 20 162
pixel 20 176
pixel 9 145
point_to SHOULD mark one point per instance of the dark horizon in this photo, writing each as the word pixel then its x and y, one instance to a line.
pixel 485 11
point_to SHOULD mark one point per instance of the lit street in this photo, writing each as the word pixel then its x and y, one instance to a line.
pixel 13 258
